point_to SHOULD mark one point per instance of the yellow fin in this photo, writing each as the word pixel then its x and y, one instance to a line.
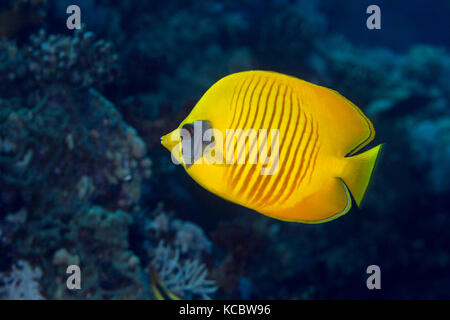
pixel 349 126
pixel 358 172
pixel 159 289
pixel 330 202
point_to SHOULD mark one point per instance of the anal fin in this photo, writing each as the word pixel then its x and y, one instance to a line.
pixel 330 202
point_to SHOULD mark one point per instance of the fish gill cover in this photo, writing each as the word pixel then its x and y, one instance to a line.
pixel 84 179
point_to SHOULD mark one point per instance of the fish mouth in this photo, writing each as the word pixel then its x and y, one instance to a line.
pixel 169 141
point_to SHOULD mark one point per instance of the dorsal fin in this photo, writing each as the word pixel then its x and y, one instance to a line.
pixel 351 129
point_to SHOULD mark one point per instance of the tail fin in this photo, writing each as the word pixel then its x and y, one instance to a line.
pixel 358 172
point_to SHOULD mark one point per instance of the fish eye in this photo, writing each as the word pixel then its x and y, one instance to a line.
pixel 190 128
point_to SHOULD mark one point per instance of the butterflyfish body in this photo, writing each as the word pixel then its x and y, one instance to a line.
pixel 279 145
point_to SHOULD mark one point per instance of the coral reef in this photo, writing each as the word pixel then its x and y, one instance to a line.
pixel 185 278
pixel 100 237
pixel 39 145
pixel 71 214
pixel 79 61
pixel 177 257
pixel 22 283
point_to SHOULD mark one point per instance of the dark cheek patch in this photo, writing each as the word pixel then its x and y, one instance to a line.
pixel 193 146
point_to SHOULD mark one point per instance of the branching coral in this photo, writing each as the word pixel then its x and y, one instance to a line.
pixel 177 258
pixel 185 278
pixel 22 283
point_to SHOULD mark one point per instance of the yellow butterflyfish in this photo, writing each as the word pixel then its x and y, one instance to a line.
pixel 278 145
